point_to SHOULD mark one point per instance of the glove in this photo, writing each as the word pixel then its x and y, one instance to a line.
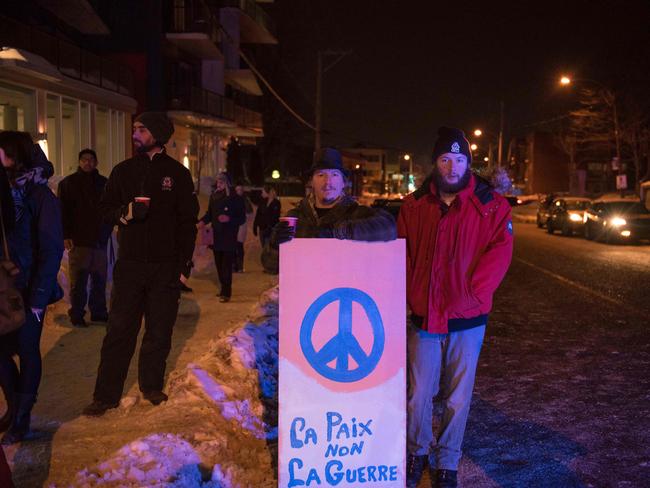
pixel 281 232
pixel 333 232
pixel 134 211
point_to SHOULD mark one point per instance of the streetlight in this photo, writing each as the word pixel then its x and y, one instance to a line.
pixel 473 147
pixel 478 132
pixel 609 97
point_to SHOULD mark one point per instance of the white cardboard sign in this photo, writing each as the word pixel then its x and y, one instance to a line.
pixel 342 386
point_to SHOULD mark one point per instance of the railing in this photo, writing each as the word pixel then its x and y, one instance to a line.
pixel 69 59
pixel 193 16
pixel 247 117
pixel 254 11
pixel 199 100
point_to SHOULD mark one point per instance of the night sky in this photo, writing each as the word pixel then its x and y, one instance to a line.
pixel 414 66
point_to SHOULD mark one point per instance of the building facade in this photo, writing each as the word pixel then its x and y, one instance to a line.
pixel 68 98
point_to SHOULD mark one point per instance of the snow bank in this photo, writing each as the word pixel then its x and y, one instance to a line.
pixel 156 460
pixel 229 396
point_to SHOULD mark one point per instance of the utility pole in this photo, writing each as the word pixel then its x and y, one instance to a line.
pixel 319 88
pixel 500 154
pixel 319 82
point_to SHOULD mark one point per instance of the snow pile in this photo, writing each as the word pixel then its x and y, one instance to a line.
pixel 225 407
pixel 156 460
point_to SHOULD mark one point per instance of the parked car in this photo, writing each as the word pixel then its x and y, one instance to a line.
pixel 566 214
pixel 617 221
pixel 544 206
pixel 391 205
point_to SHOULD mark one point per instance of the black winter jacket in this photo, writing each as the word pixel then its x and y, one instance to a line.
pixel 82 221
pixel 225 233
pixel 267 216
pixel 168 233
pixel 346 220
pixel 36 240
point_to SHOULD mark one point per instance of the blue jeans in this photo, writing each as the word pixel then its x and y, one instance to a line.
pixel 447 362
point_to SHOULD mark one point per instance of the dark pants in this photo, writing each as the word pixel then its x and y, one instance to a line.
pixel 223 261
pixel 87 262
pixel 239 257
pixel 139 289
pixel 25 342
pixel 265 236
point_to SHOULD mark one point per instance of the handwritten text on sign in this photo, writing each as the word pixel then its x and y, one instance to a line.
pixel 342 363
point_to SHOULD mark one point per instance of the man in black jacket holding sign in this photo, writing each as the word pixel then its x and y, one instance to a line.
pixel 151 199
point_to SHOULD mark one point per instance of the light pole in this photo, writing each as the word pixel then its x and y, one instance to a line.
pixel 407 157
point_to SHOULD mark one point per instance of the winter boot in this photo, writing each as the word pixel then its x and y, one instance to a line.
pixel 414 469
pixel 444 478
pixel 19 427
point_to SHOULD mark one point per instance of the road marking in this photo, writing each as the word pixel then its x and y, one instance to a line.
pixel 595 293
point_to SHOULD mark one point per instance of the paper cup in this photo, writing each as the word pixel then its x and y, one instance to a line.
pixel 292 221
pixel 145 200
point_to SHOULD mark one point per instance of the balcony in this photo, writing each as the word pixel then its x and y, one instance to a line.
pixel 193 28
pixel 200 107
pixel 69 59
pixel 256 26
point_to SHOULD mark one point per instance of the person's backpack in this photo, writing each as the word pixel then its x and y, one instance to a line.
pixel 12 309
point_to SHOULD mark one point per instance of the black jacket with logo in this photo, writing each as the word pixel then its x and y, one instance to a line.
pixel 82 222
pixel 168 232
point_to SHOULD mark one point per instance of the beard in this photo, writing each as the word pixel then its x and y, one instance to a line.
pixel 141 148
pixel 445 187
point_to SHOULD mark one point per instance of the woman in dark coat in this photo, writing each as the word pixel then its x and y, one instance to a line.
pixel 225 213
pixel 35 247
pixel 267 215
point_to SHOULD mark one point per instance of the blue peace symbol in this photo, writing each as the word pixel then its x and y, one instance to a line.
pixel 344 344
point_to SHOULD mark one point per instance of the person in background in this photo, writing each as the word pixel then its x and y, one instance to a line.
pixel 226 212
pixel 86 237
pixel 238 267
pixel 35 246
pixel 267 215
pixel 150 197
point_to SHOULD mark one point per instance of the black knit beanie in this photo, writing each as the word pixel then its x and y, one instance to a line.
pixel 159 125
pixel 451 140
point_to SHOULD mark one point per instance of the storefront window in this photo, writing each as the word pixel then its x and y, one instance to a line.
pixel 85 125
pixel 53 130
pixel 71 135
pixel 102 137
pixel 17 108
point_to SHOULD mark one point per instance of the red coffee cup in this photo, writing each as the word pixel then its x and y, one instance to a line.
pixel 292 221
pixel 145 200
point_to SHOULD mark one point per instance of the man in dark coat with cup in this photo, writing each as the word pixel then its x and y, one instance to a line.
pixel 328 212
pixel 151 199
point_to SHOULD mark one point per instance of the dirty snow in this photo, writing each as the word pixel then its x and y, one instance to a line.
pixel 234 382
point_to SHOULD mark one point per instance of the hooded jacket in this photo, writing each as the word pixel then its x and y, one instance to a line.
pixel 168 232
pixel 36 240
pixel 456 258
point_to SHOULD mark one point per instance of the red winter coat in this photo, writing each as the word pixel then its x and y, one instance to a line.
pixel 455 262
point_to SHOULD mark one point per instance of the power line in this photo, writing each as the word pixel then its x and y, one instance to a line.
pixel 266 83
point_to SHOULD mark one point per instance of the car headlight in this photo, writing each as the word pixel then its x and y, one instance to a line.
pixel 575 217
pixel 618 221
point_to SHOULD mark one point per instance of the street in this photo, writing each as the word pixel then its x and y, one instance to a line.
pixel 562 393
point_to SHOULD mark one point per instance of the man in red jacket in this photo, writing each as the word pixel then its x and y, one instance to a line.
pixel 459 240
